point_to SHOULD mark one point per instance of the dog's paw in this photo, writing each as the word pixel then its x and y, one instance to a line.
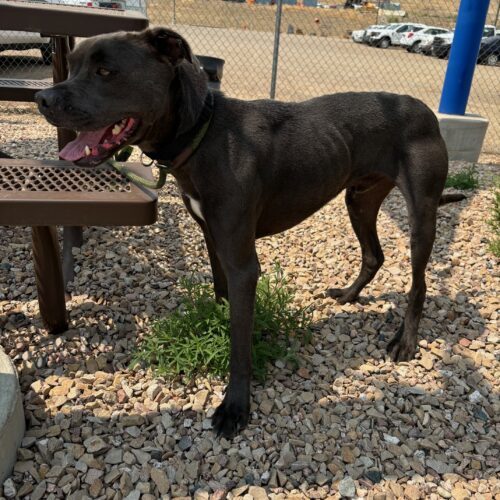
pixel 403 352
pixel 401 349
pixel 229 419
pixel 342 295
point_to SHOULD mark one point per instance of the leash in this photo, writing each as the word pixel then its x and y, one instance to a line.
pixel 165 167
pixel 141 181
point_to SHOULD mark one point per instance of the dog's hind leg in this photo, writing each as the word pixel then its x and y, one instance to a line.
pixel 423 229
pixel 421 187
pixel 363 203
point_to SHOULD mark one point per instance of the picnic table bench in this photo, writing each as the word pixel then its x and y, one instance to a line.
pixel 45 194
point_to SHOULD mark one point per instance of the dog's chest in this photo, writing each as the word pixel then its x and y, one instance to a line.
pixel 194 205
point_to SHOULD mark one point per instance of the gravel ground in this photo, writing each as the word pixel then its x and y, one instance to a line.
pixel 348 422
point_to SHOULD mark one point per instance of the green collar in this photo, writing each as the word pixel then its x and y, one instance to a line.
pixel 161 160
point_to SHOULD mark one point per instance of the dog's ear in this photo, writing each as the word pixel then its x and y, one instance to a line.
pixel 193 89
pixel 168 44
pixel 191 78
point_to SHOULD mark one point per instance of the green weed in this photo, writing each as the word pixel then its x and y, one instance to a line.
pixel 194 339
pixel 465 179
pixel 494 222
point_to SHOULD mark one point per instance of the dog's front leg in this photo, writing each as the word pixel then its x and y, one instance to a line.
pixel 220 281
pixel 241 268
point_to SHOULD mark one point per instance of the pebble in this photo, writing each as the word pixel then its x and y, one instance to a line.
pixel 475 397
pixel 161 481
pixel 442 492
pixel 391 439
pixel 185 443
pixel 257 493
pixel 114 456
pixel 374 476
pixel 347 487
pixel 438 466
pixel 94 444
pixel 9 488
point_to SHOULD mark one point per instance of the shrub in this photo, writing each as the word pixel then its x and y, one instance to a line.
pixel 194 339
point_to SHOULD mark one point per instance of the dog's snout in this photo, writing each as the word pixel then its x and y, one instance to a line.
pixel 46 99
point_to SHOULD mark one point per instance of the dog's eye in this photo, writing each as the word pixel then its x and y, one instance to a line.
pixel 103 72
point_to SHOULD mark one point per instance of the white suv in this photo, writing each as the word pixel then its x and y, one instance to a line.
pixel 391 34
pixel 359 36
pixel 420 40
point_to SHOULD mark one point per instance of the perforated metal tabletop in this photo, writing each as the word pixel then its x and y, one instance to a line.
pixel 41 193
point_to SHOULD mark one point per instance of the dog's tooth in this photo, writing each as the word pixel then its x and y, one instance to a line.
pixel 87 151
pixel 116 129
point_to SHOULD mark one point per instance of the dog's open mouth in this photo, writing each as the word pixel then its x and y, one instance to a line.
pixel 92 148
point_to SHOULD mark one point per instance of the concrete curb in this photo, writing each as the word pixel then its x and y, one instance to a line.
pixel 11 416
pixel 463 135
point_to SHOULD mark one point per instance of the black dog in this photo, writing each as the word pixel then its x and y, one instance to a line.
pixel 252 169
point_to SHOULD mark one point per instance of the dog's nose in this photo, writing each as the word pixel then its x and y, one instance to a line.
pixel 46 99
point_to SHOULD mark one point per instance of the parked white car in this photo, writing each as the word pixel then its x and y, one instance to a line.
pixel 419 41
pixel 391 34
pixel 25 40
pixel 359 36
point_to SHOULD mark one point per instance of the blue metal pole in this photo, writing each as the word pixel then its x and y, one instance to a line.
pixel 276 49
pixel 463 56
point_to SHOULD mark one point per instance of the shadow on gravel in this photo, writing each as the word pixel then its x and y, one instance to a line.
pixel 448 219
pixel 123 275
pixel 393 430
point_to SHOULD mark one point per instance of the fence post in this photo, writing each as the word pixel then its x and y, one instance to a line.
pixel 463 56
pixel 276 48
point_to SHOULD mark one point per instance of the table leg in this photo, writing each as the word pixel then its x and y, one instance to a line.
pixel 49 278
pixel 72 237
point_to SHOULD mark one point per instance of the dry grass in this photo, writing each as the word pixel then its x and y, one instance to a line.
pixel 332 22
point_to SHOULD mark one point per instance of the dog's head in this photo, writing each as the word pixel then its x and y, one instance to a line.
pixel 125 88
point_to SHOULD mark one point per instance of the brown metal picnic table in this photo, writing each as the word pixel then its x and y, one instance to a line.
pixel 45 194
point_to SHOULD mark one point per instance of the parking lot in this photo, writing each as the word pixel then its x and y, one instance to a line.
pixel 310 66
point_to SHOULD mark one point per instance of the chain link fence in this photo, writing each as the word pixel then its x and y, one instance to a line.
pixel 312 47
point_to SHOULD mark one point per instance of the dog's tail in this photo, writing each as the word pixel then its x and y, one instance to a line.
pixel 451 198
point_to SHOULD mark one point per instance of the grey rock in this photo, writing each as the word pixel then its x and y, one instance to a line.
pixel 95 444
pixel 9 488
pixel 185 443
pixel 438 466
pixel 114 456
pixel 347 487
pixel 159 477
pixel 375 476
pixel 133 495
pixel 142 456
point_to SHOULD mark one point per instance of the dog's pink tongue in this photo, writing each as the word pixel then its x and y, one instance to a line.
pixel 75 150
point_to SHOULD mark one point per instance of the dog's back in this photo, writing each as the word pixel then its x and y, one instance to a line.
pixel 342 139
